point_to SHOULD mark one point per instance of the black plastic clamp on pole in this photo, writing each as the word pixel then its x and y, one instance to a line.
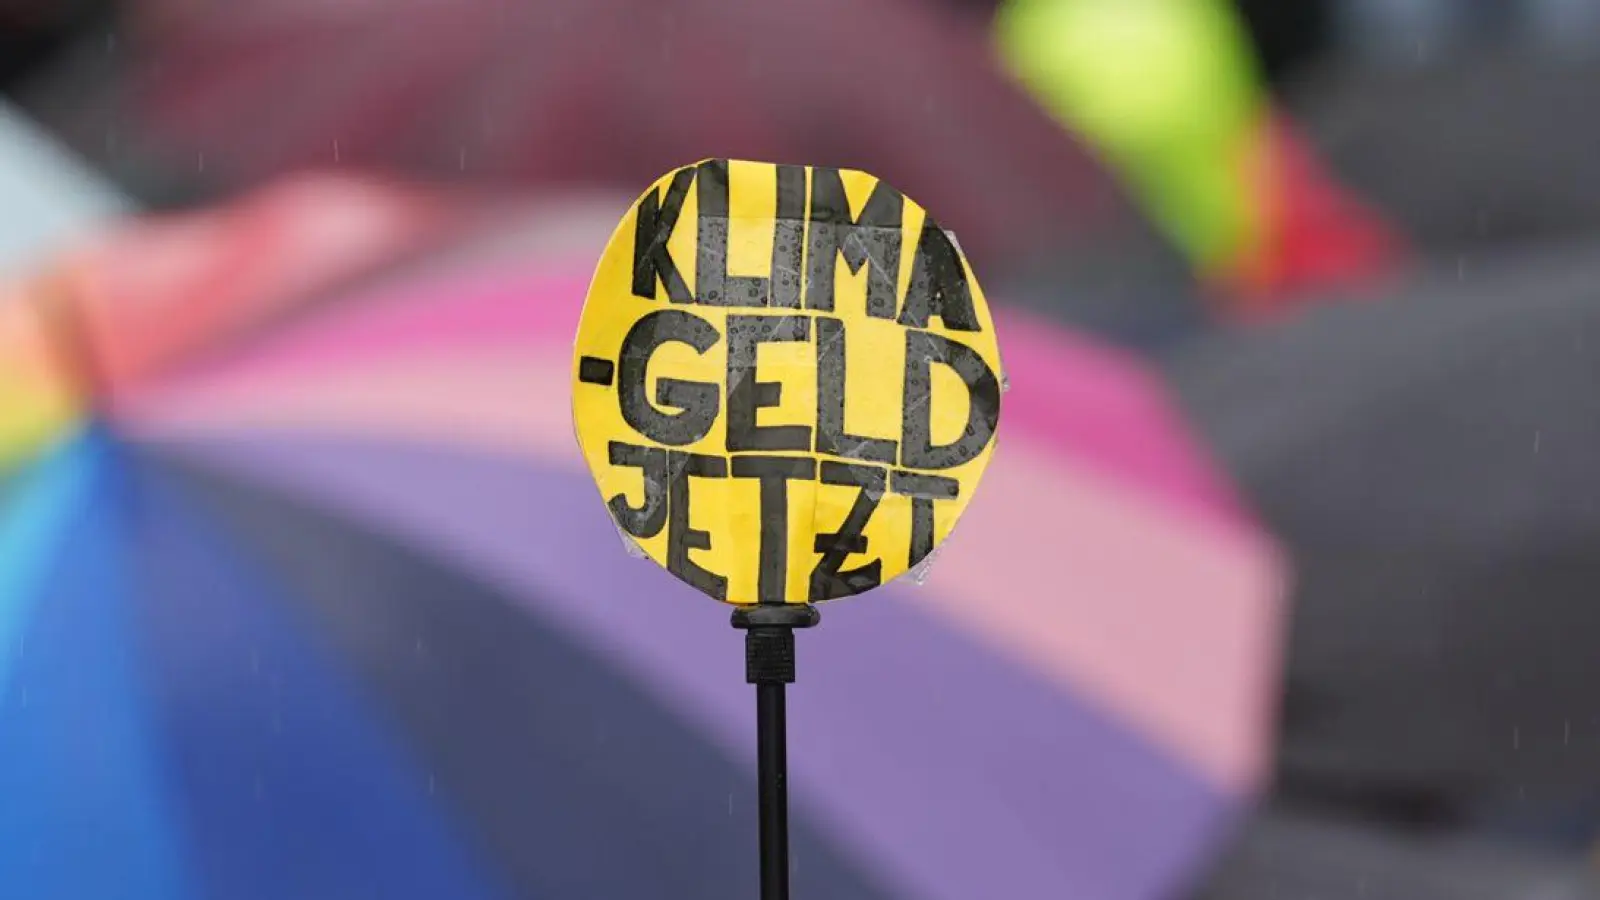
pixel 769 665
pixel 769 639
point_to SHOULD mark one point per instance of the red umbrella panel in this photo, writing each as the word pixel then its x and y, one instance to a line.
pixel 607 92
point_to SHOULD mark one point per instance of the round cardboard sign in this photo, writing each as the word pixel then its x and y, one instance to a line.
pixel 786 380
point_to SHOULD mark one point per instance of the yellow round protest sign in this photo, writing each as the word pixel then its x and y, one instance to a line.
pixel 786 380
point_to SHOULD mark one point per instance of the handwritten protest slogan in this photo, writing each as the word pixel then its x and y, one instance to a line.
pixel 786 380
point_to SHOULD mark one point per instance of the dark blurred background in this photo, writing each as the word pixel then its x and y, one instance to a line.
pixel 1358 241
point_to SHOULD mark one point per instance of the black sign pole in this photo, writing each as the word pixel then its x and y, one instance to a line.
pixel 769 665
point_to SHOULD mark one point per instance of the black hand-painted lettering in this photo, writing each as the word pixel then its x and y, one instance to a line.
pixel 651 231
pixel 697 402
pixel 594 370
pixel 681 535
pixel 938 284
pixel 747 394
pixel 713 286
pixel 924 491
pixel 775 473
pixel 917 450
pixel 645 520
pixel 829 580
pixel 871 239
pixel 789 237
pixel 831 435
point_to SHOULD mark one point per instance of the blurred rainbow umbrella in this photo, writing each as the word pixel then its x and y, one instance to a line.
pixel 304 593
